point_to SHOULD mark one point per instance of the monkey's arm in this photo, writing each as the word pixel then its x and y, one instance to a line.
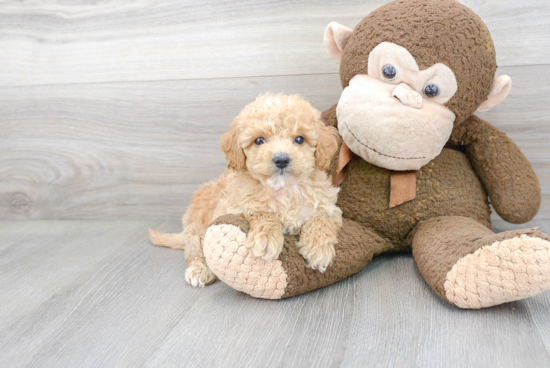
pixel 505 172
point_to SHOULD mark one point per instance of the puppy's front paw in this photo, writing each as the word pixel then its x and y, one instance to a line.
pixel 317 250
pixel 266 241
pixel 198 274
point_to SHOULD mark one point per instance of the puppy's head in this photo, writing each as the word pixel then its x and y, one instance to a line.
pixel 279 139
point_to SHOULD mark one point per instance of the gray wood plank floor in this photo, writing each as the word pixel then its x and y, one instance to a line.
pixel 97 294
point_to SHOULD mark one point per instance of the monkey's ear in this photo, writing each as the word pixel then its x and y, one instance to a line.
pixel 336 37
pixel 499 91
pixel 234 154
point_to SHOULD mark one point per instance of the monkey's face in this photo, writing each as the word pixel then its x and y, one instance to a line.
pixel 395 116
pixel 409 68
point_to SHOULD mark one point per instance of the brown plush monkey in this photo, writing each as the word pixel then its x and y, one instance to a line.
pixel 414 72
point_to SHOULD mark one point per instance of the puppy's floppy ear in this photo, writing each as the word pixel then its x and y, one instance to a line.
pixel 326 147
pixel 234 154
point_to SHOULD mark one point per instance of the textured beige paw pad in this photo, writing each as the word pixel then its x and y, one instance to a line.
pixel 504 271
pixel 231 261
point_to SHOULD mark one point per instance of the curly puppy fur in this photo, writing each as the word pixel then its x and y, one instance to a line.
pixel 276 201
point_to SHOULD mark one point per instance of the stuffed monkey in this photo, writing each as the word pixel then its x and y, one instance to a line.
pixel 415 166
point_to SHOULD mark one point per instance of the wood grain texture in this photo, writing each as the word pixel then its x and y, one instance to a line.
pixel 58 42
pixel 141 149
pixel 123 150
pixel 97 294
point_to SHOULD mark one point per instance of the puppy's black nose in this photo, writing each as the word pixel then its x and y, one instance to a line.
pixel 281 160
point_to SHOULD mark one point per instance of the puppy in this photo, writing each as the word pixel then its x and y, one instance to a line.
pixel 277 151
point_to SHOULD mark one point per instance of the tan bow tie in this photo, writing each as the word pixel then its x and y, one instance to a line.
pixel 403 183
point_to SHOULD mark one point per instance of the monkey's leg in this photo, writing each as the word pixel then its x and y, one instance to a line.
pixel 289 275
pixel 471 267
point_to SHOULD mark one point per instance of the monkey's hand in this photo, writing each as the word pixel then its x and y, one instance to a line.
pixel 317 240
pixel 505 172
pixel 265 238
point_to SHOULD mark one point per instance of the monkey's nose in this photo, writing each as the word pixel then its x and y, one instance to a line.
pixel 407 96
pixel 281 160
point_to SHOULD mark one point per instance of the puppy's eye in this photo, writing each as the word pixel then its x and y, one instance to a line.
pixel 431 91
pixel 259 141
pixel 299 139
pixel 389 72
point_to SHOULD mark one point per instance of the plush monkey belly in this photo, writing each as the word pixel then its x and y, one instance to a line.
pixel 446 186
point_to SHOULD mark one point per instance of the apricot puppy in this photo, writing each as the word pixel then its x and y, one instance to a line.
pixel 277 151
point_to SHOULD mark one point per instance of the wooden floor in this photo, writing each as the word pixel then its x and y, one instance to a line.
pixel 97 294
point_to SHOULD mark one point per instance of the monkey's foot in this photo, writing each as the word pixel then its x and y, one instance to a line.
pixel 504 271
pixel 234 263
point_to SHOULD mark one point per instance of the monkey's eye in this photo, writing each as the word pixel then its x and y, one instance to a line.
pixel 299 139
pixel 259 141
pixel 389 72
pixel 431 90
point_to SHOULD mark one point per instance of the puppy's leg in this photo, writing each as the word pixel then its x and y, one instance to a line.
pixel 265 237
pixel 195 222
pixel 317 240
pixel 197 273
